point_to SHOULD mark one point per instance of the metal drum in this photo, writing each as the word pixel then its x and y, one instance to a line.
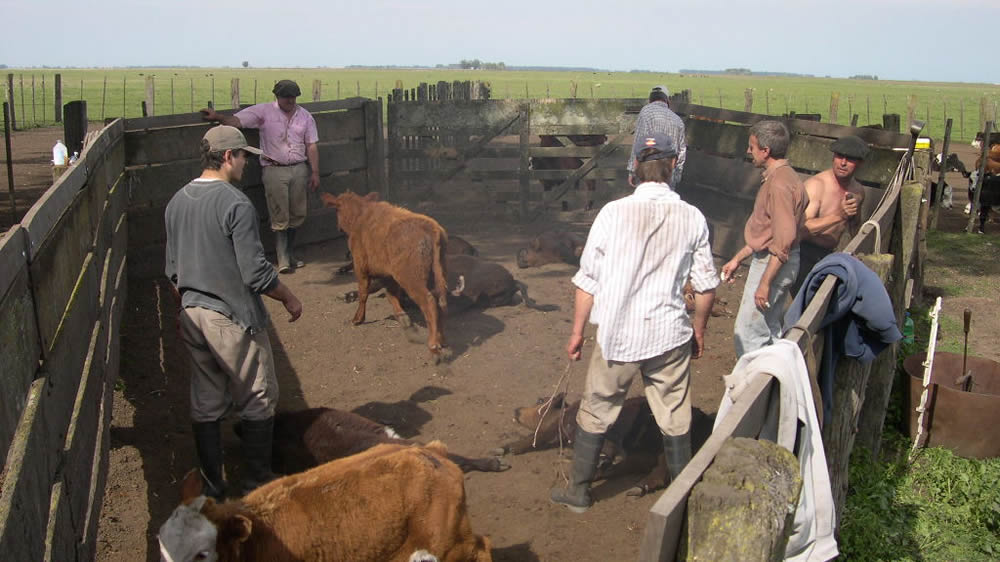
pixel 964 422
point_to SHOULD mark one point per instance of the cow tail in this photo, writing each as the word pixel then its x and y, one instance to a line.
pixel 530 303
pixel 440 277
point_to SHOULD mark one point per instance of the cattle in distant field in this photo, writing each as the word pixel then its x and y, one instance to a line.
pixel 552 247
pixel 391 503
pixel 632 445
pixel 307 438
pixel 404 248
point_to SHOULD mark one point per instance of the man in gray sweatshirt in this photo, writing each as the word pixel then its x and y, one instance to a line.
pixel 216 264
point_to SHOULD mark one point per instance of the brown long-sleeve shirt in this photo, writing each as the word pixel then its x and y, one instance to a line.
pixel 778 211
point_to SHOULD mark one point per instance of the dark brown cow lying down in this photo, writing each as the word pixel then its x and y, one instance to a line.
pixel 475 282
pixel 633 444
pixel 392 503
pixel 307 438
pixel 552 247
pixel 405 248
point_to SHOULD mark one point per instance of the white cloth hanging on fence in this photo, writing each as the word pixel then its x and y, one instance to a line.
pixel 812 538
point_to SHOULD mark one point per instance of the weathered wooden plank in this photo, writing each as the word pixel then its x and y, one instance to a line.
pixel 734 176
pixel 454 114
pixel 60 536
pixel 24 496
pixel 81 435
pixel 663 527
pixel 614 116
pixel 623 128
pixel 196 119
pixel 87 529
pixel 21 352
pixel 878 137
pixel 374 146
pixel 157 146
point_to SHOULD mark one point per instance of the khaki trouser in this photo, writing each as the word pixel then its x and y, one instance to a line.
pixel 667 382
pixel 229 367
pixel 285 190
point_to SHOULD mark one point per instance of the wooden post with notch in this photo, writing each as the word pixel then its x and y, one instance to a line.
pixel 234 93
pixel 317 90
pixel 834 106
pixel 937 190
pixel 150 96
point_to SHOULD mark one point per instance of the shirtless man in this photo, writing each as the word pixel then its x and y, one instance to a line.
pixel 834 201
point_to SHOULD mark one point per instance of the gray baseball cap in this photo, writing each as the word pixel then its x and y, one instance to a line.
pixel 224 137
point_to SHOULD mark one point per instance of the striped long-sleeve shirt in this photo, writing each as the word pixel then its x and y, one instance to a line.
pixel 656 117
pixel 639 254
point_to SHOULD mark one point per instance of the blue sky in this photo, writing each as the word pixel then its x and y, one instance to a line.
pixel 895 39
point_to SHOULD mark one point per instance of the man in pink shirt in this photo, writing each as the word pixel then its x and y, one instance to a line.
pixel 290 161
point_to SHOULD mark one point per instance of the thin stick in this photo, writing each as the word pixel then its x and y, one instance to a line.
pixel 543 409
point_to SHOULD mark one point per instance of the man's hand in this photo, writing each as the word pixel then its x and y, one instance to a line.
pixel 314 181
pixel 849 206
pixel 574 347
pixel 698 344
pixel 209 114
pixel 761 296
pixel 294 308
pixel 728 269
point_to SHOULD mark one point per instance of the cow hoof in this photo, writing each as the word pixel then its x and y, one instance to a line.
pixel 500 465
pixel 498 452
pixel 638 491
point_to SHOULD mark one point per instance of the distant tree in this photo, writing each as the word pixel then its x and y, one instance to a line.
pixel 246 63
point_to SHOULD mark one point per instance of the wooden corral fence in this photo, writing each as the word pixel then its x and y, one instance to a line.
pixel 887 243
pixel 62 291
pixel 161 156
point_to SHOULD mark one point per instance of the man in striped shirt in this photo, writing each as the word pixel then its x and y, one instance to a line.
pixel 640 252
pixel 772 238
pixel 656 117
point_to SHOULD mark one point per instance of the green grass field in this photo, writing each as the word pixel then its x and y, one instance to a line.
pixel 182 90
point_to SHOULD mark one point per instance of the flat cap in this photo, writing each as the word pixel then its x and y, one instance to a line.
pixel 286 89
pixel 851 147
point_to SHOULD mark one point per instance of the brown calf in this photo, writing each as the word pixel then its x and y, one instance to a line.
pixel 552 247
pixel 391 503
pixel 405 247
pixel 307 438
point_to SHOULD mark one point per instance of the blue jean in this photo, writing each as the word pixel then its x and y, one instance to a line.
pixel 755 329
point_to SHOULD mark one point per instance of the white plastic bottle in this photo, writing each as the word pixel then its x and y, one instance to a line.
pixel 59 153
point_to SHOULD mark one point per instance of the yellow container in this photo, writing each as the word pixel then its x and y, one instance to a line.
pixel 923 142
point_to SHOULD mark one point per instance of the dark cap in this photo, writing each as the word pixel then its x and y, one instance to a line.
pixel 286 89
pixel 851 147
pixel 661 89
pixel 664 147
pixel 224 137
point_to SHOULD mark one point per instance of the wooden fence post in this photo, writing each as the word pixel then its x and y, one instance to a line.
pixel 10 165
pixel 982 115
pixel 10 101
pixel 192 95
pixel 317 90
pixel 150 96
pixel 748 100
pixel 890 122
pixel 34 118
pixel 234 92
pixel 524 116
pixel 834 106
pixel 75 125
pixel 104 96
pixel 850 382
pixel 974 210
pixel 938 189
pixel 58 98
pixel 375 148
pixel 20 81
pixel 911 107
pixel 854 120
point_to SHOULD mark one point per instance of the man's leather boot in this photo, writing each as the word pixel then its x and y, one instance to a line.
pixel 677 452
pixel 208 444
pixel 586 453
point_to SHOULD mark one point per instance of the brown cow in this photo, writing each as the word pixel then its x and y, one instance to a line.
pixel 391 503
pixel 632 445
pixel 307 438
pixel 552 247
pixel 404 247
pixel 456 246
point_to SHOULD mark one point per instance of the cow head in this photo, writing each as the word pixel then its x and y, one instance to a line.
pixel 349 207
pixel 201 530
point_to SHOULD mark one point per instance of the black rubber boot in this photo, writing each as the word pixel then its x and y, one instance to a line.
pixel 281 249
pixel 586 453
pixel 208 444
pixel 257 439
pixel 677 451
pixel 292 260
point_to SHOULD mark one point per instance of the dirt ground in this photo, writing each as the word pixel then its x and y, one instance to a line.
pixel 502 358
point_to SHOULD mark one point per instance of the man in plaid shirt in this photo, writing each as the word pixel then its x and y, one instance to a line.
pixel 656 117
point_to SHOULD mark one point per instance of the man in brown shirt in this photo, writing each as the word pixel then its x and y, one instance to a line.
pixel 772 238
pixel 834 200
